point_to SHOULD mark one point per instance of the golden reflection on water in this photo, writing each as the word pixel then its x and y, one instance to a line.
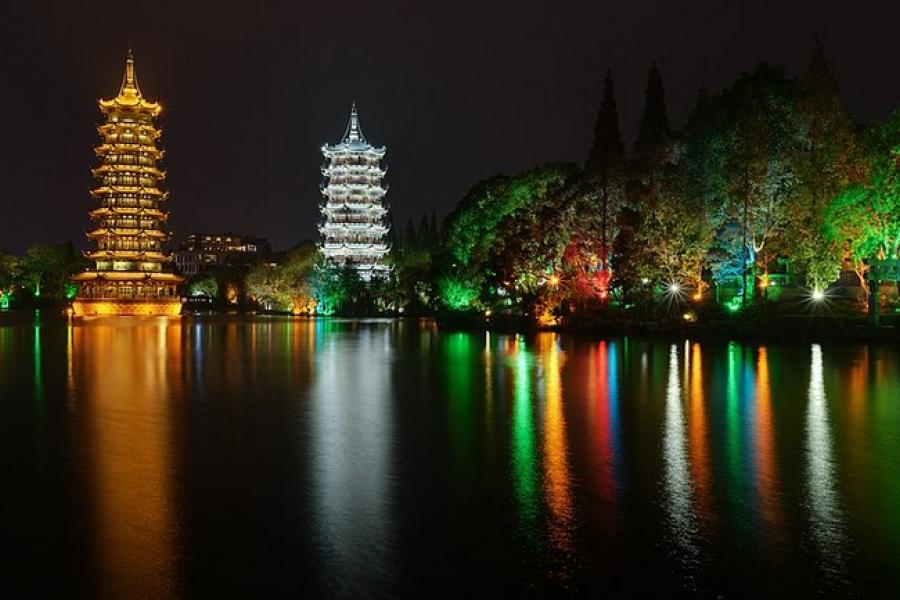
pixel 557 478
pixel 124 379
pixel 767 484
pixel 698 431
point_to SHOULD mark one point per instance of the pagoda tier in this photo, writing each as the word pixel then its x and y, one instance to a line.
pixel 354 226
pixel 130 275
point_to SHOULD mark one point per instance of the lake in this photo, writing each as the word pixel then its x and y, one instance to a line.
pixel 212 456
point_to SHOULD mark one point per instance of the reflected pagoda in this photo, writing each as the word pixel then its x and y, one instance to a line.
pixel 130 274
pixel 354 227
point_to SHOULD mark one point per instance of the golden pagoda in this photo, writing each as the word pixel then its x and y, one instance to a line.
pixel 129 275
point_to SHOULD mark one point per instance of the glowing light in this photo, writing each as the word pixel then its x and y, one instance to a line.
pixel 698 295
pixel 689 317
pixel 645 280
pixel 554 280
pixel 818 295
pixel 674 288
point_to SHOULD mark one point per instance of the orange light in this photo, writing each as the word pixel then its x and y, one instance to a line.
pixel 554 280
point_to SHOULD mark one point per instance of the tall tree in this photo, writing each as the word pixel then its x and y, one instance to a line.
pixel 605 174
pixel 654 125
pixel 825 161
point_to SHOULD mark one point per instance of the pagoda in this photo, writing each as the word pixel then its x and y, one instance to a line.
pixel 354 227
pixel 130 274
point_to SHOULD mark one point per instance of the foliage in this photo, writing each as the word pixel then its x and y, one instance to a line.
pixel 204 285
pixel 288 285
pixel 864 219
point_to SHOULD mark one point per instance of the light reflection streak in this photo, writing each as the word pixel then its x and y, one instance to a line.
pixel 124 381
pixel 826 517
pixel 766 469
pixel 699 437
pixel 352 431
pixel 523 451
pixel 676 477
pixel 557 482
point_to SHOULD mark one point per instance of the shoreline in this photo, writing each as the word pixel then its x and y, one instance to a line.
pixel 778 329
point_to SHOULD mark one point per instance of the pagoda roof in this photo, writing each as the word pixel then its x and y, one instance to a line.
pixel 130 96
pixel 353 139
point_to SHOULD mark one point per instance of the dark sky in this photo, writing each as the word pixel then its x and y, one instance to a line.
pixel 457 91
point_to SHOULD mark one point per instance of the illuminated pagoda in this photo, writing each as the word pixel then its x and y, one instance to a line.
pixel 130 274
pixel 354 227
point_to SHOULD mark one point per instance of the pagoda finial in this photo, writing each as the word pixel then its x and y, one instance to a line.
pixel 129 81
pixel 354 132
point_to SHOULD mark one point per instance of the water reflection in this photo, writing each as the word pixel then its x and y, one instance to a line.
pixel 767 484
pixel 701 468
pixel 352 430
pixel 557 478
pixel 524 460
pixel 826 517
pixel 124 376
pixel 676 477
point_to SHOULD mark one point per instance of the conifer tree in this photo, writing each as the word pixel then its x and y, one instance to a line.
pixel 654 125
pixel 608 151
pixel 409 235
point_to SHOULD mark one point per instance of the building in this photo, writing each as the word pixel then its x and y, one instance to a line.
pixel 204 251
pixel 355 226
pixel 131 273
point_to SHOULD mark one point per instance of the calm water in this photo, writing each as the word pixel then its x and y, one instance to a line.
pixel 155 458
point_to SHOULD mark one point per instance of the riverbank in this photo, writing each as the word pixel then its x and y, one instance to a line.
pixel 778 328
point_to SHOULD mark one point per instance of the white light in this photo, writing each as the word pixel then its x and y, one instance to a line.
pixel 818 295
pixel 674 288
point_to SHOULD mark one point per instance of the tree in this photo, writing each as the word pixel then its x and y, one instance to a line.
pixel 287 286
pixel 758 165
pixel 204 285
pixel 863 221
pixel 825 160
pixel 654 125
pixel 46 269
pixel 606 178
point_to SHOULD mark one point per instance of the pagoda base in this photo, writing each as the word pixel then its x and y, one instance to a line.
pixel 99 307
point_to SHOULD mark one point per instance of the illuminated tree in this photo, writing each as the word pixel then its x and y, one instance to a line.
pixel 605 176
pixel 826 159
pixel 289 285
pixel 864 219
pixel 476 257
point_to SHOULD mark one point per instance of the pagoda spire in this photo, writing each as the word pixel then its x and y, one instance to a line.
pixel 354 131
pixel 129 80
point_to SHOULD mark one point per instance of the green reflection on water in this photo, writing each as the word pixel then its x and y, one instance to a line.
pixel 458 355
pixel 524 460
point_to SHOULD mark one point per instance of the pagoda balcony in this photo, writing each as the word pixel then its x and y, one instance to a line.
pixel 127 232
pixel 122 149
pixel 128 210
pixel 134 255
pixel 119 189
pixel 128 168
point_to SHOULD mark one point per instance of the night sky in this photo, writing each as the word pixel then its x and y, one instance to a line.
pixel 457 91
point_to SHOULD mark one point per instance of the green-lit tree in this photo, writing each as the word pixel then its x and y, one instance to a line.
pixel 826 159
pixel 863 221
